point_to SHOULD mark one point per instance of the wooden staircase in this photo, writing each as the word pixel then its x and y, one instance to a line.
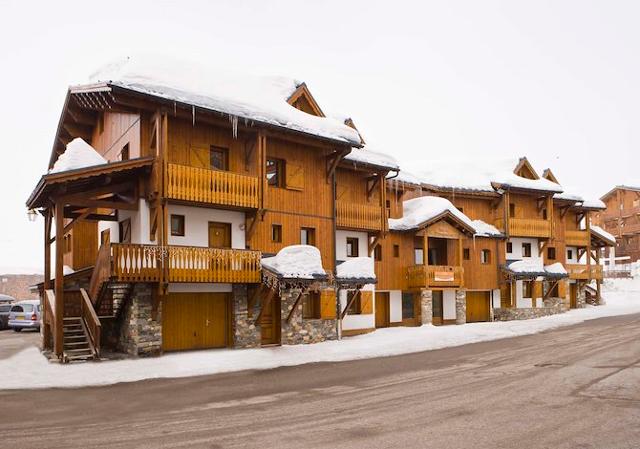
pixel 77 346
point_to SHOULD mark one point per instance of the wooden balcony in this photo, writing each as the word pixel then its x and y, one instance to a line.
pixel 526 227
pixel 359 216
pixel 584 272
pixel 144 263
pixel 576 238
pixel 200 185
pixel 433 276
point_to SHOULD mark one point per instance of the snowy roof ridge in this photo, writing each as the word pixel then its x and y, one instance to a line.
pixel 253 98
pixel 78 154
pixel 418 211
pixel 296 262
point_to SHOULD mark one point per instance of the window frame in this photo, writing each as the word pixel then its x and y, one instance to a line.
pixel 350 240
pixel 527 289
pixel 310 235
pixel 311 306
pixel 280 174
pixel 551 253
pixel 276 233
pixel 396 250
pixel 377 253
pixel 509 247
pixel 526 249
pixel 225 157
pixel 466 254
pixel 485 257
pixel 182 220
pixel 356 306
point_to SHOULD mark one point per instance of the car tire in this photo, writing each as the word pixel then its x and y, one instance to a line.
pixel 17 329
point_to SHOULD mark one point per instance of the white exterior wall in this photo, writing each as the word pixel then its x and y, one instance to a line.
pixel 495 297
pixel 341 243
pixel 352 322
pixel 196 225
pixel 574 254
pixel 395 306
pixel 449 305
pixel 517 255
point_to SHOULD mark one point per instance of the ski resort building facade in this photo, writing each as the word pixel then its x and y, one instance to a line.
pixel 242 216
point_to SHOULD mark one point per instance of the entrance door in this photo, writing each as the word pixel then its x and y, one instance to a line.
pixel 478 304
pixel 219 235
pixel 382 309
pixel 574 295
pixel 270 322
pixel 195 321
pixel 436 299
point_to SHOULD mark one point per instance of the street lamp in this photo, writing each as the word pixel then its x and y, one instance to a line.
pixel 32 214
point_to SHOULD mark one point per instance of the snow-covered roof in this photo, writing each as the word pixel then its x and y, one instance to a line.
pixel 370 157
pixel 421 210
pixel 356 268
pixel 486 230
pixel 479 175
pixel 593 204
pixel 597 230
pixel 534 267
pixel 260 99
pixel 568 196
pixel 404 177
pixel 296 262
pixel 78 154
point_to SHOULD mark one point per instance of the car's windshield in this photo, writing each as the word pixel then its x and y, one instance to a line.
pixel 22 308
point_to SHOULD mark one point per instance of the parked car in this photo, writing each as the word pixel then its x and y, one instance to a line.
pixel 5 309
pixel 25 315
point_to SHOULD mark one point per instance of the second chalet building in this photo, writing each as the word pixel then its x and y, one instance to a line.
pixel 202 210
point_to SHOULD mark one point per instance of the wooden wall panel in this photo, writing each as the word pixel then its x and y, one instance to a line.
pixel 391 271
pixel 482 276
pixel 118 130
pixel 351 186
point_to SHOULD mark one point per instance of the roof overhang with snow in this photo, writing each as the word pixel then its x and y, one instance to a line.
pixel 532 270
pixel 601 238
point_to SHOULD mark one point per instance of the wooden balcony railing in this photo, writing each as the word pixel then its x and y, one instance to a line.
pixel 144 263
pixel 584 272
pixel 421 276
pixel 576 238
pixel 526 227
pixel 201 185
pixel 359 216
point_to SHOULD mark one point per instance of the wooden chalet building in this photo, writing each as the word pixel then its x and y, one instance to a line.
pixel 622 219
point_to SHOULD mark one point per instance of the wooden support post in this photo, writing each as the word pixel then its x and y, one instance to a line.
pixel 460 260
pixel 47 249
pixel 550 215
pixel 349 303
pixel 59 281
pixel 507 212
pixel 265 303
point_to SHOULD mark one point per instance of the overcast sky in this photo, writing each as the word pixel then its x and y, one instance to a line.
pixel 556 81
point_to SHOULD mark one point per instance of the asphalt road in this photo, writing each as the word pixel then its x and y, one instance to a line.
pixel 576 387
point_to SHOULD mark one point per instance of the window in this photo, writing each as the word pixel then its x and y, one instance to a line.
pixel 276 233
pixel 527 289
pixel 353 247
pixel 551 253
pixel 512 210
pixel 311 306
pixel 418 256
pixel 219 158
pixel 275 172
pixel 396 250
pixel 509 247
pixel 177 225
pixel 485 256
pixel 526 250
pixel 388 207
pixel 377 253
pixel 124 154
pixel 356 306
pixel 544 214
pixel 569 254
pixel 466 254
pixel 308 236
pixel 407 306
pixel 125 230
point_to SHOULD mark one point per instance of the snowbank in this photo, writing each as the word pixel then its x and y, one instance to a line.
pixel 622 296
pixel 78 154
pixel 356 268
pixel 420 210
pixel 296 261
pixel 261 99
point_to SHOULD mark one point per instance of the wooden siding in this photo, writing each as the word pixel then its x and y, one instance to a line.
pixel 359 216
pixel 476 274
pixel 435 276
pixel 118 130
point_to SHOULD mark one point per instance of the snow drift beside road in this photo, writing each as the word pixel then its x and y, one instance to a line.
pixel 28 369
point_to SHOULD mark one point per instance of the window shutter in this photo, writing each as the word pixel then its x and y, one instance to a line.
pixel 295 176
pixel 537 289
pixel 366 302
pixel 328 304
pixel 199 157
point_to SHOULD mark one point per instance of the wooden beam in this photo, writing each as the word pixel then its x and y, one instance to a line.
pixel 542 247
pixel 82 216
pixel 295 306
pixel 370 190
pixel 373 244
pixel 349 304
pixel 47 249
pixel 251 300
pixel 265 303
pixel 92 217
pixel 546 296
pixel 59 281
pixel 76 130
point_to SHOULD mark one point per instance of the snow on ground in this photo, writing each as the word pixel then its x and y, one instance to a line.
pixel 622 296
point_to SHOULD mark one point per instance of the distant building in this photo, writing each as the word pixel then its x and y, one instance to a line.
pixel 622 219
pixel 17 285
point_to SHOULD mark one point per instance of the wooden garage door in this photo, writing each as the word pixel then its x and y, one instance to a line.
pixel 195 321
pixel 478 306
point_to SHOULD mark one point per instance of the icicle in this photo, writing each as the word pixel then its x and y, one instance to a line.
pixel 234 125
pixel 193 115
pixel 175 111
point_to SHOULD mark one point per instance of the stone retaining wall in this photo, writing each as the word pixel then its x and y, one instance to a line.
pixel 139 326
pixel 461 306
pixel 426 306
pixel 246 334
pixel 552 306
pixel 300 330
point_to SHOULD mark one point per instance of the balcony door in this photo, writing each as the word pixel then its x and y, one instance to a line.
pixel 219 235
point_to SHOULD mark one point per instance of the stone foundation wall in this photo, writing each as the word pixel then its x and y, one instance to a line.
pixel 581 296
pixel 461 307
pixel 139 327
pixel 552 306
pixel 300 330
pixel 246 334
pixel 426 306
